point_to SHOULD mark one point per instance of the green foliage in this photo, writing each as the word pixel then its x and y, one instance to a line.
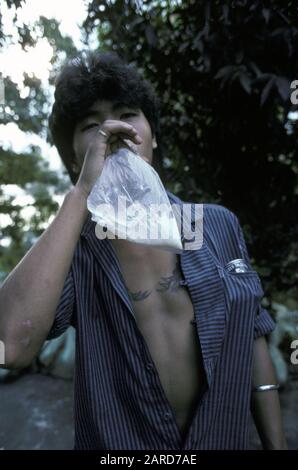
pixel 28 171
pixel 31 173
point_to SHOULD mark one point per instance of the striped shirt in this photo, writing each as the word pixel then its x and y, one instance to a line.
pixel 119 400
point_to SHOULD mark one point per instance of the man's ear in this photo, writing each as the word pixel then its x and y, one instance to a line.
pixel 154 143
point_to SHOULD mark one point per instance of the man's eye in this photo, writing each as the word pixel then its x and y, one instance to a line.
pixel 89 126
pixel 128 114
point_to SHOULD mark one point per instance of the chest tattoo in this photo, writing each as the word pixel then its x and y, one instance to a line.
pixel 165 283
pixel 140 295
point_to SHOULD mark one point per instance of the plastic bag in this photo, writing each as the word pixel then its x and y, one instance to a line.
pixel 130 201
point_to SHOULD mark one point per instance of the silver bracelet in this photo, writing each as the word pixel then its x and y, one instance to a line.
pixel 265 388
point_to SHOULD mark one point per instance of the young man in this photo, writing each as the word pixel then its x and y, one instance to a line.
pixel 169 348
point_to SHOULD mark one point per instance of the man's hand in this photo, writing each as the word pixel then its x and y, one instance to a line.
pixel 100 148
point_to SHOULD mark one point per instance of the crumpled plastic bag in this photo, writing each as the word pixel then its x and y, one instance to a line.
pixel 130 201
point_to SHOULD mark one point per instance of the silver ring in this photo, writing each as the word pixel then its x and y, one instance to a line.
pixel 265 388
pixel 102 133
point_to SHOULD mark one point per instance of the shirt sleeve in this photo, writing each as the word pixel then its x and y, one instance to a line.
pixel 65 311
pixel 264 323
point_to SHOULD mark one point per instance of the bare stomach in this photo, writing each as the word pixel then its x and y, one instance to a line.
pixel 173 344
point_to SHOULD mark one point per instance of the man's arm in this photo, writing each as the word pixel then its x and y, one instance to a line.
pixel 265 406
pixel 30 294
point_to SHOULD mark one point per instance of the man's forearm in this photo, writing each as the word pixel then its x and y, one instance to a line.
pixel 265 406
pixel 30 294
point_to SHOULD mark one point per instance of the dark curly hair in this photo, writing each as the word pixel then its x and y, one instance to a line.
pixel 90 76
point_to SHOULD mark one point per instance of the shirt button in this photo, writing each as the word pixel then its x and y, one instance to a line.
pixel 166 416
pixel 183 282
pixel 149 366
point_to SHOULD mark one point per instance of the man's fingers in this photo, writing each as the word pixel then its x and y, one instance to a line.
pixel 119 127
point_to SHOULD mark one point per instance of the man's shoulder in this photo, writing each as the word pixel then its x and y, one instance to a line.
pixel 219 210
pixel 212 211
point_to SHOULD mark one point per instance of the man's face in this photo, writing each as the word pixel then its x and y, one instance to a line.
pixel 102 110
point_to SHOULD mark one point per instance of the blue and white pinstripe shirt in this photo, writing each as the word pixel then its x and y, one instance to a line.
pixel 119 401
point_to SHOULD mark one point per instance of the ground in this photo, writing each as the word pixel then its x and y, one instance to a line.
pixel 36 413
